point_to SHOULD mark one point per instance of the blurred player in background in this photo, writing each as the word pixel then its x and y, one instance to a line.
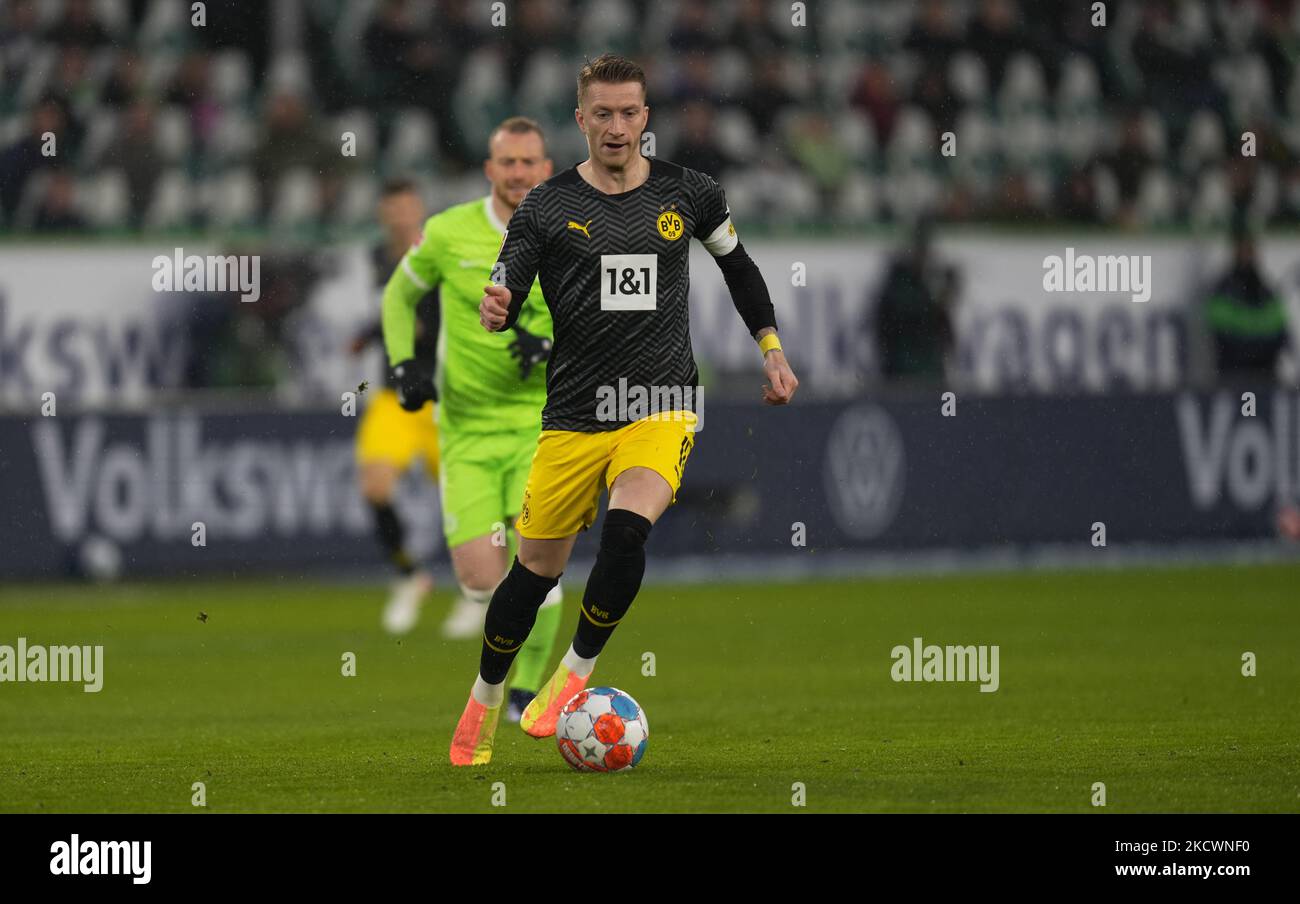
pixel 490 387
pixel 389 439
pixel 912 317
pixel 1246 316
pixel 611 239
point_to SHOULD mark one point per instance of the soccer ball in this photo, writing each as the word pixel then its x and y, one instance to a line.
pixel 602 729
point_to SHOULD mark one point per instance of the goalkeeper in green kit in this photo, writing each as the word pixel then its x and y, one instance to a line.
pixel 490 389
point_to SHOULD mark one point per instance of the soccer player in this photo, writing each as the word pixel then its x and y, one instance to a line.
pixel 388 438
pixel 490 387
pixel 610 238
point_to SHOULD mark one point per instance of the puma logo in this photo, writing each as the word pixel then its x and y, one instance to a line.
pixel 583 229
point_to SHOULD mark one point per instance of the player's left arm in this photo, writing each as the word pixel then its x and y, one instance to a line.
pixel 748 292
pixel 416 275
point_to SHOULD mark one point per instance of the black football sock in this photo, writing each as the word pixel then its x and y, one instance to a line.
pixel 510 617
pixel 392 537
pixel 614 581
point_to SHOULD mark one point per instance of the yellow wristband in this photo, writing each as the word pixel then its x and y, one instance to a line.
pixel 769 342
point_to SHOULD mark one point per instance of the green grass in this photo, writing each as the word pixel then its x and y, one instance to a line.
pixel 1128 678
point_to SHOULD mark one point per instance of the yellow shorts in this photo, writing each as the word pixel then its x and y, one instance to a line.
pixel 568 468
pixel 389 433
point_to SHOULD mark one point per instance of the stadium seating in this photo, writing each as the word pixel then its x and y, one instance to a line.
pixel 1040 102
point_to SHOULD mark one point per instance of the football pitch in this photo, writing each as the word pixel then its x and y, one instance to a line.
pixel 1128 678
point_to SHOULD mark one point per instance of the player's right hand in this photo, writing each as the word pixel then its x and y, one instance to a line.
pixel 414 386
pixel 493 308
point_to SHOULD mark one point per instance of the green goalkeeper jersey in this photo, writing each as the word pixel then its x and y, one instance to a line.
pixel 479 385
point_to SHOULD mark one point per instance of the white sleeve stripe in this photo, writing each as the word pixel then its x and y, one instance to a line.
pixel 722 240
pixel 410 274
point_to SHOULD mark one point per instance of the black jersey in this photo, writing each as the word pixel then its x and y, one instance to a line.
pixel 614 271
pixel 427 316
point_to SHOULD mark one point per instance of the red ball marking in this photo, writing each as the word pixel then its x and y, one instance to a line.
pixel 569 750
pixel 576 703
pixel 609 728
pixel 618 757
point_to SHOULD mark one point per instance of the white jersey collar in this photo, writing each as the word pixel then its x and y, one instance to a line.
pixel 492 217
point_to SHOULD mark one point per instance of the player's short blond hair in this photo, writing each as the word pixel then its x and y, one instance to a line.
pixel 611 69
pixel 518 125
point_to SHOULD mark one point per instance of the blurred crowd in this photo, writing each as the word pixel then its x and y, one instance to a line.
pixel 1242 316
pixel 163 124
